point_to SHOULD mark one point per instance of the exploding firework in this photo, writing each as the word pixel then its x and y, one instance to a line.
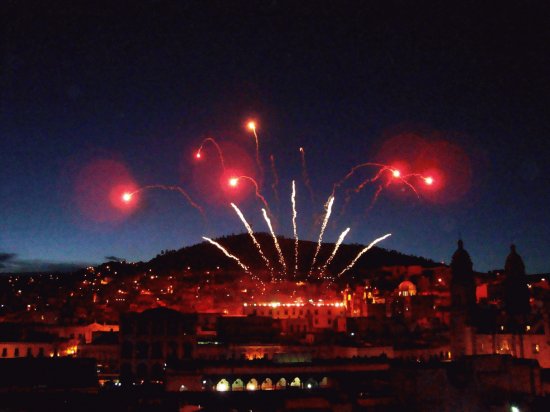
pixel 362 252
pixel 336 247
pixel 328 208
pixel 275 241
pixel 234 182
pixel 128 196
pixel 198 154
pixel 254 240
pixel 251 125
pixel 294 226
pixel 385 176
pixel 226 253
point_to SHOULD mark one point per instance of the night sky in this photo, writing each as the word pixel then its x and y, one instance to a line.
pixel 95 99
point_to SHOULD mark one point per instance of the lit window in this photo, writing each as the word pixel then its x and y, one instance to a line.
pixel 536 348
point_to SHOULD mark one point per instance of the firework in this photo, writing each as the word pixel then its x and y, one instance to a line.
pixel 251 125
pixel 226 253
pixel 198 154
pixel 234 181
pixel 275 184
pixel 251 234
pixel 305 175
pixel 275 241
pixel 362 252
pixel 127 196
pixel 336 247
pixel 328 208
pixel 294 226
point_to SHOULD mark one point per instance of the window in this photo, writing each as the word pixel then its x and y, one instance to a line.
pixel 41 352
pixel 29 352
pixel 536 348
pixel 4 352
pixel 286 311
pixel 16 352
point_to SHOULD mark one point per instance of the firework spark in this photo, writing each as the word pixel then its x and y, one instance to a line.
pixel 127 197
pixel 275 241
pixel 362 252
pixel 251 125
pixel 251 234
pixel 294 226
pixel 198 155
pixel 275 184
pixel 328 208
pixel 336 247
pixel 226 253
pixel 305 175
pixel 234 181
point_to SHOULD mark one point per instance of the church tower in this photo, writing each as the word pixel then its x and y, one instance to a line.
pixel 463 302
pixel 516 293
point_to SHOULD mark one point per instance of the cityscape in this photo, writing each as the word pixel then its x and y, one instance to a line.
pixel 274 206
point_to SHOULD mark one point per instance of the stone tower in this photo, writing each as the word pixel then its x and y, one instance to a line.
pixel 516 292
pixel 463 302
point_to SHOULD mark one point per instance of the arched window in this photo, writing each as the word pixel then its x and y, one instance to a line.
pixel 281 384
pixel 238 385
pixel 296 383
pixel 252 385
pixel 267 384
pixel 222 386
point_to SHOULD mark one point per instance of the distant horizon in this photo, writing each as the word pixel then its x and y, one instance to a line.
pixel 37 266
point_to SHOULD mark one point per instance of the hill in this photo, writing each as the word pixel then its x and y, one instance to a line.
pixel 204 256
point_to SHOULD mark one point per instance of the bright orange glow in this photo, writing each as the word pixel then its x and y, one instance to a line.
pixel 198 155
pixel 251 125
pixel 301 149
pixel 429 180
pixel 233 181
pixel 127 196
pixel 396 173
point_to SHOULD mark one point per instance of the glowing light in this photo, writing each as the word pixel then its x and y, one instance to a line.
pixel 429 180
pixel 328 208
pixel 336 247
pixel 365 250
pixel 294 226
pixel 198 155
pixel 275 241
pixel 211 140
pixel 226 253
pixel 234 181
pixel 396 173
pixel 251 234
pixel 126 197
pixel 222 387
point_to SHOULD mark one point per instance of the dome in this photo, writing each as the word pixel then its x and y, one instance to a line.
pixel 407 288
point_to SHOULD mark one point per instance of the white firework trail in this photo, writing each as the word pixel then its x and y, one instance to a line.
pixel 336 247
pixel 251 234
pixel 374 242
pixel 328 208
pixel 226 253
pixel 294 226
pixel 275 241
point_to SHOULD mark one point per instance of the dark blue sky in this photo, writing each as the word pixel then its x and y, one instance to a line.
pixel 95 97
